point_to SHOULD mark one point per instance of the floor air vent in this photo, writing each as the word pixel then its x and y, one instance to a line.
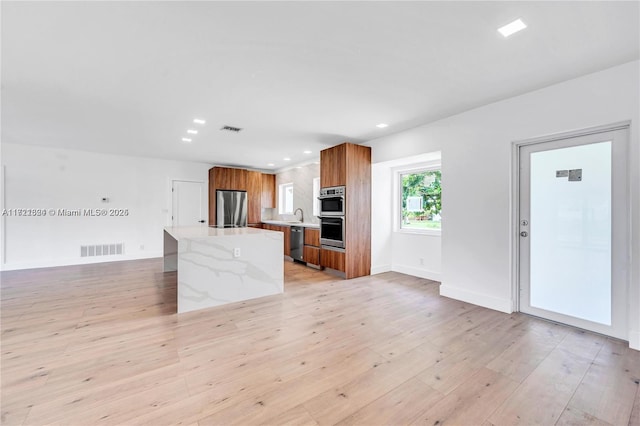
pixel 102 250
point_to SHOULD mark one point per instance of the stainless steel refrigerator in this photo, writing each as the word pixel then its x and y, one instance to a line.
pixel 231 209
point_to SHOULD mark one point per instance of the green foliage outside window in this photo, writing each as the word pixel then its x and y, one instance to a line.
pixel 427 186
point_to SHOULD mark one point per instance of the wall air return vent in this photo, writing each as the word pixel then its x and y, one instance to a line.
pixel 231 129
pixel 102 250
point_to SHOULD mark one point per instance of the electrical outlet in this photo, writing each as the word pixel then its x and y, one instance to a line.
pixel 236 252
pixel 141 246
pixel 422 261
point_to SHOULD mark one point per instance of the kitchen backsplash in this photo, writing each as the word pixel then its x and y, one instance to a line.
pixel 303 196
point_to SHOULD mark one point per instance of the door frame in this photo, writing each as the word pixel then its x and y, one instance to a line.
pixel 514 224
pixel 203 207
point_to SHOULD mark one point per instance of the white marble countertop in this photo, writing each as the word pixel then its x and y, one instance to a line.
pixel 216 266
pixel 204 231
pixel 285 223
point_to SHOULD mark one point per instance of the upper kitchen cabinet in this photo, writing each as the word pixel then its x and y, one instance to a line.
pixel 268 191
pixel 333 166
pixel 346 165
pixel 254 196
pixel 228 178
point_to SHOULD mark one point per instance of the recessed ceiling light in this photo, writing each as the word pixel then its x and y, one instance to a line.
pixel 512 28
pixel 270 164
pixel 193 132
pixel 382 125
pixel 307 152
pixel 287 159
pixel 199 121
pixel 186 140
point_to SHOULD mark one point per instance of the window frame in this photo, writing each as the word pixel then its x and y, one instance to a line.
pixel 316 194
pixel 282 188
pixel 412 169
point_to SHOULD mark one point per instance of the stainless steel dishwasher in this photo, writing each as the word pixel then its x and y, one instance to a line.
pixel 297 243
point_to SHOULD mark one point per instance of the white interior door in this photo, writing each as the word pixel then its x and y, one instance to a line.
pixel 187 203
pixel 574 232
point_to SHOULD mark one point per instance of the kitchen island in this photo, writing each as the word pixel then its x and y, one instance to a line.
pixel 217 266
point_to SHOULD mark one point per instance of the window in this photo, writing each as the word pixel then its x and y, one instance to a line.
pixel 285 197
pixel 420 197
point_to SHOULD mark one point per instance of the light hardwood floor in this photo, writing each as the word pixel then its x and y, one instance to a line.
pixel 101 344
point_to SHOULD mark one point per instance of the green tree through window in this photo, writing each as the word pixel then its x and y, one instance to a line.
pixel 421 200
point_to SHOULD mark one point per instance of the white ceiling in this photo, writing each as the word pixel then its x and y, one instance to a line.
pixel 129 77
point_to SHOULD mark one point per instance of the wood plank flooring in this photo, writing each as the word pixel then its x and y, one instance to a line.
pixel 102 345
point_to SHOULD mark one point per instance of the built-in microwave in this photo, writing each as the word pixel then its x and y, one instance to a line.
pixel 332 231
pixel 332 201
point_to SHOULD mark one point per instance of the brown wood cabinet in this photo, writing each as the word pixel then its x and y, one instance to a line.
pixel 230 179
pixel 268 191
pixel 287 240
pixel 333 166
pixel 349 165
pixel 311 250
pixel 311 255
pixel 254 196
pixel 311 237
pixel 260 187
pixel 332 259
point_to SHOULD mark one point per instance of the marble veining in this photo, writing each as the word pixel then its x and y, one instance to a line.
pixel 209 274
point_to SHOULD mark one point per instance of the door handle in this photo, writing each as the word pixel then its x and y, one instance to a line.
pixel 524 234
pixel 201 221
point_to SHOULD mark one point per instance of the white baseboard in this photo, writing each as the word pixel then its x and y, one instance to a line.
pixel 379 269
pixel 634 340
pixel 417 272
pixel 495 303
pixel 76 261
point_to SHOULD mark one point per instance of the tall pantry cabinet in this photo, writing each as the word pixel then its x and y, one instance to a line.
pixel 349 165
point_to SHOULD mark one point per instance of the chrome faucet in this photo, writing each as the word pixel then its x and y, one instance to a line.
pixel 301 214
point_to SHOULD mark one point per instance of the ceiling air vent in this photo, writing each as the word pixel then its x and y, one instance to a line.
pixel 231 129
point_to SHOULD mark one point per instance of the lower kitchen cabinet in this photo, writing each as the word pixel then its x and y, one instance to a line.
pixel 287 239
pixel 311 252
pixel 311 237
pixel 311 255
pixel 332 259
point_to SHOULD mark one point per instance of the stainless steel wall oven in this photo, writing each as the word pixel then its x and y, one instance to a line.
pixel 332 202
pixel 332 231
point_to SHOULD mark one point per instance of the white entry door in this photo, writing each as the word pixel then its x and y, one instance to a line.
pixel 574 231
pixel 187 203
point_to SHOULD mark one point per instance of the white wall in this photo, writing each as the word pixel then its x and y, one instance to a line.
pixel 477 177
pixel 406 252
pixel 381 218
pixel 37 177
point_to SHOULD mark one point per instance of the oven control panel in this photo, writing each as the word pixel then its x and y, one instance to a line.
pixel 335 191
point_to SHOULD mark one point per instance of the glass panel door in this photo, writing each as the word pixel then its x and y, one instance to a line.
pixel 569 206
